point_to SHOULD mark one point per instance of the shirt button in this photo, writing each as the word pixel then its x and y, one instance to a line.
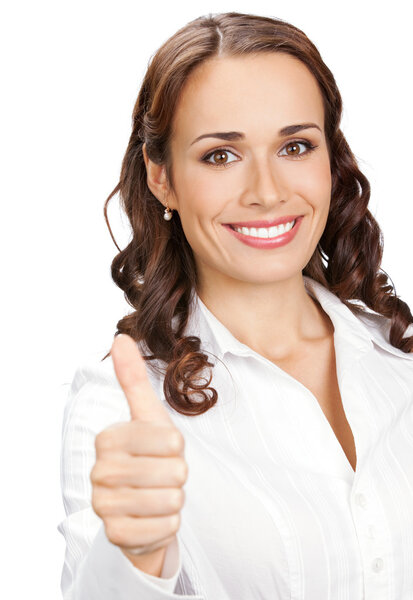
pixel 377 564
pixel 361 500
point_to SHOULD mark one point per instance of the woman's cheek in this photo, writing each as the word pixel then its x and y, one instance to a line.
pixel 318 184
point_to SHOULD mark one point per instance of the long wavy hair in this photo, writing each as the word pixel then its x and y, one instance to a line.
pixel 156 270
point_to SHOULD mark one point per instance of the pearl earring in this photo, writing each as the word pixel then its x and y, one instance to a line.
pixel 167 215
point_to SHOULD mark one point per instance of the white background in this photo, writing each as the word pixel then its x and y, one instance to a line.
pixel 70 75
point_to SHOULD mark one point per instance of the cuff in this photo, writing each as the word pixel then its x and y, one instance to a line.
pixel 107 574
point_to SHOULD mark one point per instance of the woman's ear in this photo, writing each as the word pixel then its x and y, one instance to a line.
pixel 156 178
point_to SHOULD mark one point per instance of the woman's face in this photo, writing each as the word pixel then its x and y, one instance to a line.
pixel 263 175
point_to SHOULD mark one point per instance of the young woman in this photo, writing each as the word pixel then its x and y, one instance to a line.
pixel 267 365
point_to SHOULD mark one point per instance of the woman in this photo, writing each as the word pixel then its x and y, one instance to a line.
pixel 277 376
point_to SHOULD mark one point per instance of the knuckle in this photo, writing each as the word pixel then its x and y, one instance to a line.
pixel 176 441
pixel 111 477
pixel 181 471
pixel 115 532
pixel 104 441
pixel 104 505
pixel 176 500
pixel 95 502
pixel 95 474
pixel 175 522
pixel 104 474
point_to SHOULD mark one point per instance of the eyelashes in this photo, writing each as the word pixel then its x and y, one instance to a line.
pixel 310 148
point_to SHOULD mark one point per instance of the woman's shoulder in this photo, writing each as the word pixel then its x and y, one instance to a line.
pixel 95 393
pixel 95 370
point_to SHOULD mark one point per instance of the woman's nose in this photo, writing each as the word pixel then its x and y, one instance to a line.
pixel 265 185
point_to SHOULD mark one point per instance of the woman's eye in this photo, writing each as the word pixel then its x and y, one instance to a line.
pixel 219 157
pixel 295 150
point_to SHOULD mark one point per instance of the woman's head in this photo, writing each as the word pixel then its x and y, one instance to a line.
pixel 256 75
pixel 206 48
pixel 265 175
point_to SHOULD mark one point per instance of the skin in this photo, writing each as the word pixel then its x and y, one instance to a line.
pixel 258 95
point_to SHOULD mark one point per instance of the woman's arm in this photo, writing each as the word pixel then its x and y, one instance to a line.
pixel 94 568
pixel 151 563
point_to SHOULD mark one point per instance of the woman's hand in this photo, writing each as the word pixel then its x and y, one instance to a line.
pixel 140 467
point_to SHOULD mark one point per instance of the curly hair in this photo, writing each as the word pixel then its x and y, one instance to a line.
pixel 156 270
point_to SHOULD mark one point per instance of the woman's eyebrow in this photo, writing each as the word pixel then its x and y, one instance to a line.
pixel 238 135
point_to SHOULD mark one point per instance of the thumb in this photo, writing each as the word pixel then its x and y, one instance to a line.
pixel 131 373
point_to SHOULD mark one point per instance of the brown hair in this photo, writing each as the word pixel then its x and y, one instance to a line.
pixel 156 270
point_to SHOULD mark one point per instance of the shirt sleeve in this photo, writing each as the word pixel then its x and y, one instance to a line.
pixel 94 568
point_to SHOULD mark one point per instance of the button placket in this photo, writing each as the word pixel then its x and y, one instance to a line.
pixel 377 564
pixel 360 500
pixel 371 542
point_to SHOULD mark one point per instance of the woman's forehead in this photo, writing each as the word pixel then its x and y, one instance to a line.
pixel 248 92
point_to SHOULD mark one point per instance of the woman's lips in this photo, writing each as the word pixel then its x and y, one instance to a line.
pixel 267 243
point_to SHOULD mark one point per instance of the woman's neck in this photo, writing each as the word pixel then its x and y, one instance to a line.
pixel 273 320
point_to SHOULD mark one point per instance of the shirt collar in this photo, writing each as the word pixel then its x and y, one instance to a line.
pixel 354 333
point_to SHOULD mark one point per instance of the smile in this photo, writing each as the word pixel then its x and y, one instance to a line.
pixel 265 232
pixel 266 238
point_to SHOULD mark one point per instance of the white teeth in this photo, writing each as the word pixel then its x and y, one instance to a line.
pixel 266 232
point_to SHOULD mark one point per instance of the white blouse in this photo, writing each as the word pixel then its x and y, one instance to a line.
pixel 273 509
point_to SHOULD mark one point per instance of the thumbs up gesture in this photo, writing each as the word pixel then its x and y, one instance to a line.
pixel 140 467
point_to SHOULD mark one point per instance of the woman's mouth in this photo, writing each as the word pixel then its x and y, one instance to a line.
pixel 267 237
